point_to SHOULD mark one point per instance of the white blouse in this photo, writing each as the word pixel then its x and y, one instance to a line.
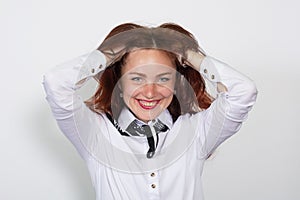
pixel 117 164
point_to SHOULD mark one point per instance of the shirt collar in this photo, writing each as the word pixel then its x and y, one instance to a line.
pixel 126 117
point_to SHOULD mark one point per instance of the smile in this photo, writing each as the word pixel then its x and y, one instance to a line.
pixel 148 104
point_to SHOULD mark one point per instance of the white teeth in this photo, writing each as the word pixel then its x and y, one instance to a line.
pixel 148 104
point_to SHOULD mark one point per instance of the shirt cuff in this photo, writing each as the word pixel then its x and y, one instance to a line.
pixel 208 70
pixel 94 63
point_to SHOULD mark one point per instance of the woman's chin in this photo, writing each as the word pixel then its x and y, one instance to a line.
pixel 147 115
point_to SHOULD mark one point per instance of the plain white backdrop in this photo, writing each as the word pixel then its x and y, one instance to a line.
pixel 259 38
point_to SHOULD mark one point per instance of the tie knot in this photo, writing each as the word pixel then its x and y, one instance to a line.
pixel 137 128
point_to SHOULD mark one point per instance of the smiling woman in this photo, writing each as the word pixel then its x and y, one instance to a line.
pixel 147 83
pixel 151 124
pixel 130 37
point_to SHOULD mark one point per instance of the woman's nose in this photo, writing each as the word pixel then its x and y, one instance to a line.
pixel 150 90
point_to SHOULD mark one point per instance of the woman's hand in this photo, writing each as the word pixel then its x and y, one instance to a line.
pixel 194 59
pixel 155 38
pixel 112 51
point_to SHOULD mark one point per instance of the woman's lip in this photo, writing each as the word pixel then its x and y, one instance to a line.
pixel 148 105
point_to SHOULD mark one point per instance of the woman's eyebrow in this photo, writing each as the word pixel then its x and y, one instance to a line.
pixel 137 73
pixel 144 75
pixel 165 73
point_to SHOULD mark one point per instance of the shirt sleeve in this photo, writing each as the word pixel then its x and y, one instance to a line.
pixel 230 108
pixel 60 85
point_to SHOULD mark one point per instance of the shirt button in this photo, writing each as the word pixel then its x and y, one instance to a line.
pixel 93 70
pixel 212 76
pixel 205 71
pixel 100 67
pixel 153 186
pixel 152 174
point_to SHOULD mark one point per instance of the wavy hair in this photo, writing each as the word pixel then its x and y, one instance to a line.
pixel 106 98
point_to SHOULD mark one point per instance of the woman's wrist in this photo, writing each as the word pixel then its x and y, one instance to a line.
pixel 195 59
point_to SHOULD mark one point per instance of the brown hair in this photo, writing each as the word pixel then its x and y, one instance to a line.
pixel 106 99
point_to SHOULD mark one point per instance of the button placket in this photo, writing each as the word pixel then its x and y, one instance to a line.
pixel 153 181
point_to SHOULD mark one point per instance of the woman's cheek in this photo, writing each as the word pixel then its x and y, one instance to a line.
pixel 166 91
pixel 131 90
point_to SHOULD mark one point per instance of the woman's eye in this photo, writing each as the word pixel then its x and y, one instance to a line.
pixel 164 79
pixel 136 79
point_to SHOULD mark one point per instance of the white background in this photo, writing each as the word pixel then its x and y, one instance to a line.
pixel 259 38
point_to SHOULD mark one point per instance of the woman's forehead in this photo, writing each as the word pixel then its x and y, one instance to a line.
pixel 150 69
pixel 153 58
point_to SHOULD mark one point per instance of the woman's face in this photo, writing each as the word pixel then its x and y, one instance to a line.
pixel 147 82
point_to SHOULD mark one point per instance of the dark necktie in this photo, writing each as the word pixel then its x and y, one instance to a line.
pixel 137 129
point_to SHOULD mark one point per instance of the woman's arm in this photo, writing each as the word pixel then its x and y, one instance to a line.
pixel 60 85
pixel 236 96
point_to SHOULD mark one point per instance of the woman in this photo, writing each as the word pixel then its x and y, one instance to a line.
pixel 151 124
